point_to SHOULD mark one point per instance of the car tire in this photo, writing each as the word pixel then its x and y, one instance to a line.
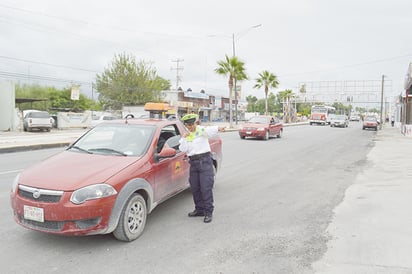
pixel 280 134
pixel 242 137
pixel 132 219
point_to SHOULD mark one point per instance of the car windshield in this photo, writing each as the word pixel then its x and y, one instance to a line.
pixel 116 139
pixel 259 120
pixel 370 118
pixel 39 114
pixel 339 117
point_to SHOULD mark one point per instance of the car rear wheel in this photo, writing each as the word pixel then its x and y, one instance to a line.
pixel 132 219
pixel 280 134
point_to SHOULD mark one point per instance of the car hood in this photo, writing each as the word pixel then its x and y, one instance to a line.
pixel 246 125
pixel 69 171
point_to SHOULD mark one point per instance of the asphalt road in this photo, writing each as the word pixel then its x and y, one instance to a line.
pixel 273 202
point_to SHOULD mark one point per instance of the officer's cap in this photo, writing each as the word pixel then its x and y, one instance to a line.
pixel 189 118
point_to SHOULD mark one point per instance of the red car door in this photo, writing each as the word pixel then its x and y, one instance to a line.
pixel 171 175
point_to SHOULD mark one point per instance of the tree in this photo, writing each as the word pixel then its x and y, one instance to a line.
pixel 54 99
pixel 267 80
pixel 285 97
pixel 235 69
pixel 251 101
pixel 128 82
pixel 341 108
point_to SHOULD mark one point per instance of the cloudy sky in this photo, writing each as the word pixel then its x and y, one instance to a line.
pixel 70 41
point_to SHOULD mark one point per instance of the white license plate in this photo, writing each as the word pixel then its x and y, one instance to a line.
pixel 34 213
pixel 248 132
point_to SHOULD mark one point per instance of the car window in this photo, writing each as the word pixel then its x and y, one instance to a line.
pixel 259 120
pixel 165 134
pixel 38 114
pixel 130 140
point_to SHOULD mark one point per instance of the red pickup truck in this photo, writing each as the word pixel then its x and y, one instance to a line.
pixel 107 181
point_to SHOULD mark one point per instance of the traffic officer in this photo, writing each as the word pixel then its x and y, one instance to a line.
pixel 202 174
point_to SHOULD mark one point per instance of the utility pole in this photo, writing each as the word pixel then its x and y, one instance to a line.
pixel 178 68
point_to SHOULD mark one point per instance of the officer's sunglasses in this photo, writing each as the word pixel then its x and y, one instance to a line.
pixel 189 124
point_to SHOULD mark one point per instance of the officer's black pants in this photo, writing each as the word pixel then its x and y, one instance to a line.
pixel 201 182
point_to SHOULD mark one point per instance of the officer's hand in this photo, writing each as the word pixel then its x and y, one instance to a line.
pixel 221 129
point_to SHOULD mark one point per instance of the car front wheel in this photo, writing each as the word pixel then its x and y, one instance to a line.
pixel 132 219
pixel 266 135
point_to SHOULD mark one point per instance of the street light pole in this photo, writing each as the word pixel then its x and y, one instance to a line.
pixel 383 79
pixel 234 54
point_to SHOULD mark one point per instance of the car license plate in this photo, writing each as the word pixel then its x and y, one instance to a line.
pixel 34 213
pixel 248 132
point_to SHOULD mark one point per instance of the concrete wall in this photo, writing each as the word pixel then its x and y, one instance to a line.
pixel 9 120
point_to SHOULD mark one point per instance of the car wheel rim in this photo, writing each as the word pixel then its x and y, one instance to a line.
pixel 136 217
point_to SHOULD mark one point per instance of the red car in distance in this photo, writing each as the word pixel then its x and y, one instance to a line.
pixel 261 127
pixel 107 181
pixel 370 122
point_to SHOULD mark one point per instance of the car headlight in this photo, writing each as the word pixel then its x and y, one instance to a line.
pixel 15 183
pixel 92 192
pixel 261 129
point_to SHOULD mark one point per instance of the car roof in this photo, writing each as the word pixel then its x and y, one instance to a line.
pixel 142 121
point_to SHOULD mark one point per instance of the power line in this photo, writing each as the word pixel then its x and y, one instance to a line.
pixel 48 64
pixel 348 66
pixel 39 77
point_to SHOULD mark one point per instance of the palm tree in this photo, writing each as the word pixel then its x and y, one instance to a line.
pixel 268 80
pixel 236 71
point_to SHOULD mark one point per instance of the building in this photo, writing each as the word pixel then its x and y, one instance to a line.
pixel 208 107
pixel 404 109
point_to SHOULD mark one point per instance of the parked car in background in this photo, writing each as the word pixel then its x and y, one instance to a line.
pixel 354 117
pixel 37 120
pixel 339 121
pixel 262 127
pixel 97 119
pixel 107 181
pixel 370 122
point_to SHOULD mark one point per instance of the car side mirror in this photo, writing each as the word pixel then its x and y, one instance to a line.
pixel 166 152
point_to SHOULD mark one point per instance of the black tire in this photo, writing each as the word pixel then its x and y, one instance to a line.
pixel 242 137
pixel 132 219
pixel 280 134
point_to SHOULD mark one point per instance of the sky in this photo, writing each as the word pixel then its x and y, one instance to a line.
pixel 65 42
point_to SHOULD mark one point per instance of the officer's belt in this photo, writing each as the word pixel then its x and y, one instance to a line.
pixel 199 156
